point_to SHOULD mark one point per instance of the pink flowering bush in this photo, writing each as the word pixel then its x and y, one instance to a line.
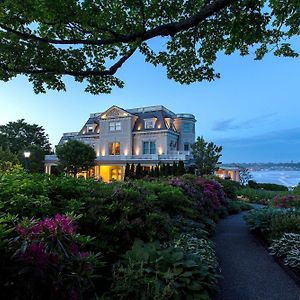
pixel 208 194
pixel 52 262
pixel 286 201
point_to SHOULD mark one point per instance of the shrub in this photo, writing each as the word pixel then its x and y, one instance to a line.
pixel 259 220
pixel 289 222
pixel 50 261
pixel 259 196
pixel 234 207
pixel 286 201
pixel 149 271
pixel 288 247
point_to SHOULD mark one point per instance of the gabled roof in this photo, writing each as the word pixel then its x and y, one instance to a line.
pixel 115 112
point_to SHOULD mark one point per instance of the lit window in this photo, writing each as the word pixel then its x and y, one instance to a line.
pixel 186 147
pixel 90 128
pixel 114 148
pixel 186 127
pixel 114 126
pixel 149 148
pixel 149 124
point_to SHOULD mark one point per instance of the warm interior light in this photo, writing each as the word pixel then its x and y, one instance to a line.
pixel 103 152
pixel 159 126
pixel 139 127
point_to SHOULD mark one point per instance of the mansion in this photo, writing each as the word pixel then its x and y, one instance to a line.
pixel 146 135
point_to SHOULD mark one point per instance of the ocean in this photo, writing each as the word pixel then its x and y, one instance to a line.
pixel 287 178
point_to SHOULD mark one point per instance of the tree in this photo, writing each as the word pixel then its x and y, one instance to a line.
pixel 156 171
pixel 168 170
pixel 75 156
pixel 244 175
pixel 206 156
pixel 181 168
pixel 48 40
pixel 139 171
pixel 132 171
pixel 35 161
pixel 127 172
pixel 8 160
pixel 175 168
pixel 19 135
pixel 152 174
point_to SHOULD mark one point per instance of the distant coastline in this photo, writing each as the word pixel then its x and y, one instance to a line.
pixel 287 174
pixel 292 166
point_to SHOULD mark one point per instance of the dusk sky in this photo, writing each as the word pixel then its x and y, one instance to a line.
pixel 252 111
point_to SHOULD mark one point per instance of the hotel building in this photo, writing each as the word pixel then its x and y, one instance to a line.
pixel 146 135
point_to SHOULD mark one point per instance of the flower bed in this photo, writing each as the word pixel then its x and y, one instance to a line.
pixel 66 238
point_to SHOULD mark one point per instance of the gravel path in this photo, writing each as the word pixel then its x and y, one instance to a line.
pixel 248 271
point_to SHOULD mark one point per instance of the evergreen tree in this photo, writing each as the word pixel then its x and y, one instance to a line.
pixel 132 171
pixel 163 170
pixel 152 174
pixel 157 171
pixel 168 170
pixel 181 168
pixel 175 169
pixel 127 172
pixel 139 171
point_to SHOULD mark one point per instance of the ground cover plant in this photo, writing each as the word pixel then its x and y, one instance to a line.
pixel 68 238
pixel 279 226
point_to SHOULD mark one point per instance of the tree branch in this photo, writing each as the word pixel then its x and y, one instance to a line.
pixel 169 29
pixel 88 73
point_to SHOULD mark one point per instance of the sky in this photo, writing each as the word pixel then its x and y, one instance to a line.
pixel 253 111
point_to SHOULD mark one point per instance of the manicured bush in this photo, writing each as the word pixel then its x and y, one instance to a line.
pixel 234 207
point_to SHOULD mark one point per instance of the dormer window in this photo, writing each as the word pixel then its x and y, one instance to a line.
pixel 149 123
pixel 90 128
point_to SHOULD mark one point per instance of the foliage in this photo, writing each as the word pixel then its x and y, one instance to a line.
pixel 244 175
pixel 127 174
pixel 75 156
pixel 108 218
pixel 181 168
pixel 267 186
pixel 8 161
pixel 35 163
pixel 59 38
pixel 288 247
pixel 184 271
pixel 296 190
pixel 48 253
pixel 18 136
pixel 260 220
pixel 206 156
pixel 230 187
pixel 234 207
pixel 286 201
pixel 289 222
pixel 259 196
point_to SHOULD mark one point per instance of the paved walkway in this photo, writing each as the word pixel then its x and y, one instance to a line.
pixel 249 272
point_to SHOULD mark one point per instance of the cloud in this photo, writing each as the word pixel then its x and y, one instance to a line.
pixel 231 124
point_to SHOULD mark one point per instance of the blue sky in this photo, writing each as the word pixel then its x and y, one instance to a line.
pixel 252 111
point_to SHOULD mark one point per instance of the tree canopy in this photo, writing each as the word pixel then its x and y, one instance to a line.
pixel 75 156
pixel 90 40
pixel 18 136
pixel 206 155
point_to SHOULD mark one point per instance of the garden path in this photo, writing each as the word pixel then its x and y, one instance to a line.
pixel 248 271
